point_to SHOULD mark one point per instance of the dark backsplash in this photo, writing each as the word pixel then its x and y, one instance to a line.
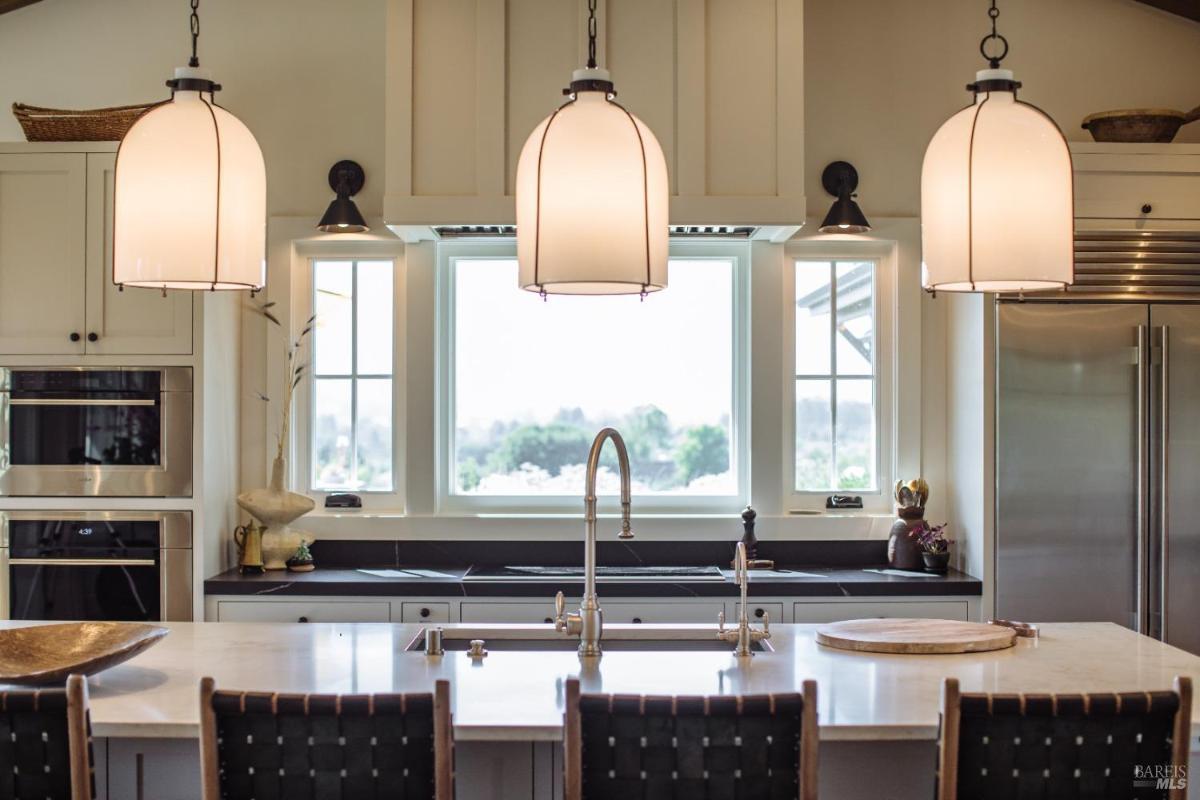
pixel 359 553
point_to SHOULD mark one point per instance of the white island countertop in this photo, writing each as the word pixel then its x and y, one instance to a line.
pixel 518 696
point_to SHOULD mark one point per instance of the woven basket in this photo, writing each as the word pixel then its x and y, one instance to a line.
pixel 65 125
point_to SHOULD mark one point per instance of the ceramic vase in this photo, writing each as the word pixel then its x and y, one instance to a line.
pixel 904 552
pixel 276 508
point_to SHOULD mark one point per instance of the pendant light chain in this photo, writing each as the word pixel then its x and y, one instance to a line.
pixel 591 62
pixel 195 23
pixel 993 60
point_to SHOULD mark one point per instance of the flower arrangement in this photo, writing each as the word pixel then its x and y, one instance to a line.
pixel 294 373
pixel 932 538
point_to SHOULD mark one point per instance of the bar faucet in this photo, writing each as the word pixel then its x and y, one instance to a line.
pixel 588 622
pixel 744 636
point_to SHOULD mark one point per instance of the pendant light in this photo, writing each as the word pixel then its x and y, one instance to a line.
pixel 592 194
pixel 997 197
pixel 190 200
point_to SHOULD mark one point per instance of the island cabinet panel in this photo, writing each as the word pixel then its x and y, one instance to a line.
pixel 469 80
pixel 152 769
pixel 919 609
pixel 313 609
pixel 657 612
pixel 530 613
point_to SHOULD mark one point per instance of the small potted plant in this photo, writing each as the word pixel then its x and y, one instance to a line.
pixel 935 547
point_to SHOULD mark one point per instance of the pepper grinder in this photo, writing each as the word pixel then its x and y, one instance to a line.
pixel 748 537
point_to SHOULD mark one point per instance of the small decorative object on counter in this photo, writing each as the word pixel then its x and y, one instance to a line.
pixel 275 507
pixel 343 501
pixel 302 561
pixel 904 550
pixel 935 547
pixel 248 538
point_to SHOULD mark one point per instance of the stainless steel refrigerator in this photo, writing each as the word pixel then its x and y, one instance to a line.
pixel 1098 465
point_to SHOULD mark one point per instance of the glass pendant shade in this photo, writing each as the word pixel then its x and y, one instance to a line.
pixel 190 198
pixel 997 198
pixel 592 199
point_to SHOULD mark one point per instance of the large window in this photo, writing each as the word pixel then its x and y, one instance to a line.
pixel 836 377
pixel 531 381
pixel 352 364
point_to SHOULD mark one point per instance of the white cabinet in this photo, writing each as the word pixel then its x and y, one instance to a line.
pixel 306 609
pixel 1136 182
pixel 56 291
pixel 424 612
pixel 162 769
pixel 130 321
pixel 42 235
pixel 842 610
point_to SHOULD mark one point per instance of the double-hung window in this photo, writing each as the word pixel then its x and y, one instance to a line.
pixel 526 383
pixel 351 420
pixel 837 377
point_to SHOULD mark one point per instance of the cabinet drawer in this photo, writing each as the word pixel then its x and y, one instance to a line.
pixel 316 610
pixel 651 612
pixel 757 610
pixel 1117 186
pixel 532 613
pixel 425 612
pixel 918 609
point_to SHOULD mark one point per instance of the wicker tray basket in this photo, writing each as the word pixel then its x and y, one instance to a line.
pixel 66 125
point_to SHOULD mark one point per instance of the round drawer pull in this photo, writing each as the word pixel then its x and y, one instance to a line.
pixel 302 619
pixel 547 620
pixel 75 337
pixel 637 620
pixel 424 612
pixel 1147 208
pixel 93 337
pixel 758 612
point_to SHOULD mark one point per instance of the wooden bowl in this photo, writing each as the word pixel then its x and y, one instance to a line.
pixel 46 654
pixel 1137 124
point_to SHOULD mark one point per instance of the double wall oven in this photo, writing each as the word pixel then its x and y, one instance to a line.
pixel 96 432
pixel 96 565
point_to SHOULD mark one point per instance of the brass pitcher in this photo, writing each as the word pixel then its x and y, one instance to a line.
pixel 248 538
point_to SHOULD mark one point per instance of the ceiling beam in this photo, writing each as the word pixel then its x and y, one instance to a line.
pixel 12 5
pixel 1184 8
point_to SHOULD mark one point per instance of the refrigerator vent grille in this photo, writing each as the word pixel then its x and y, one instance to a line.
pixel 1137 266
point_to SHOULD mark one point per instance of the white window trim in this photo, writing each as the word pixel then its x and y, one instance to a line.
pixel 887 401
pixel 454 504
pixel 304 254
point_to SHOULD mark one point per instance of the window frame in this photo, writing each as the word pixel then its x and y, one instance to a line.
pixel 448 502
pixel 884 255
pixel 307 253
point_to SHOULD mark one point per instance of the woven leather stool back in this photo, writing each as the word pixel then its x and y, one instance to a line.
pixel 1065 746
pixel 264 746
pixel 629 747
pixel 45 743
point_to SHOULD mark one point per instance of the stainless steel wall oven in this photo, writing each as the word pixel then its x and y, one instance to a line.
pixel 96 431
pixel 96 565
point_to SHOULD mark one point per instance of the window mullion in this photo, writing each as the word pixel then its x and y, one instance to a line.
pixel 353 477
pixel 833 371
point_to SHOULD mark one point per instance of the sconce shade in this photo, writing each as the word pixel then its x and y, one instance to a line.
pixel 346 178
pixel 190 199
pixel 592 199
pixel 840 179
pixel 997 197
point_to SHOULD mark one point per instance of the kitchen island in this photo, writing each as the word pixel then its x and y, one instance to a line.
pixel 508 706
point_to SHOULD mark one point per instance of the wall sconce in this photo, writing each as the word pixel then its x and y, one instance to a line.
pixel 840 179
pixel 346 178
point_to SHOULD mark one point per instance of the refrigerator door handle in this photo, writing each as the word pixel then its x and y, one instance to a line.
pixel 1164 529
pixel 1142 623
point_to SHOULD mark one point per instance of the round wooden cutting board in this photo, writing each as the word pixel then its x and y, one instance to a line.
pixel 915 636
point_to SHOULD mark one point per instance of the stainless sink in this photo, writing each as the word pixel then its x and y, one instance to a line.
pixel 617 638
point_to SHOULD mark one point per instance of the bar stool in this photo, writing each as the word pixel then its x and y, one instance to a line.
pixel 1064 746
pixel 621 747
pixel 262 745
pixel 46 743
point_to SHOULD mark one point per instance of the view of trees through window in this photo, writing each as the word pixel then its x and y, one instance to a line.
pixel 835 376
pixel 535 380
